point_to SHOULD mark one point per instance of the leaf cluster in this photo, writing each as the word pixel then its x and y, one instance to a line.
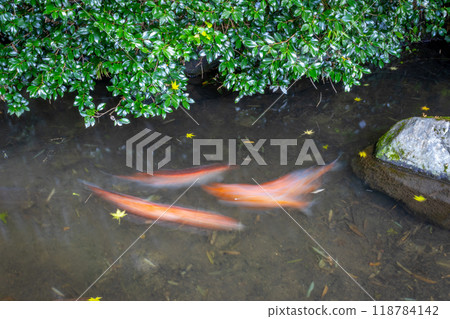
pixel 50 47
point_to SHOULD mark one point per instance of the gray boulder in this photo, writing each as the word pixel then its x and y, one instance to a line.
pixel 420 144
pixel 411 164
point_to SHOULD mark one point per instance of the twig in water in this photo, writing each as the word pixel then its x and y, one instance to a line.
pixel 313 83
pixel 320 99
pixel 88 198
pixel 331 82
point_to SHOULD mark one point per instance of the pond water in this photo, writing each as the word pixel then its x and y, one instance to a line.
pixel 56 239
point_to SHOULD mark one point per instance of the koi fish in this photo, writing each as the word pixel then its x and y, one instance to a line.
pixel 178 178
pixel 173 214
pixel 288 191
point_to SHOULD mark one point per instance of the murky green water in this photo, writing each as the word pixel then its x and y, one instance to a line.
pixel 57 236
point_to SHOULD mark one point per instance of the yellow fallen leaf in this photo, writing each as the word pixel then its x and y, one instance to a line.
pixel 362 154
pixel 308 132
pixel 190 135
pixel 424 108
pixel 94 299
pixel 118 214
pixel 357 99
pixel 419 198
pixel 325 147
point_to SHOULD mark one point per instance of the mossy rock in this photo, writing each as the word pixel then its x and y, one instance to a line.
pixel 418 143
pixel 404 184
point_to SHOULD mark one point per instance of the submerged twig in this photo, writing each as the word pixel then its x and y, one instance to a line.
pixel 320 99
pixel 424 279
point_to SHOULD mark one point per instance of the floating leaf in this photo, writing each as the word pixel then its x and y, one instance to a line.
pixel 118 214
pixel 419 198
pixel 308 132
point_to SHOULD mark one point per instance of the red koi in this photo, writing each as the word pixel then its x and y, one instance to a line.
pixel 173 214
pixel 178 178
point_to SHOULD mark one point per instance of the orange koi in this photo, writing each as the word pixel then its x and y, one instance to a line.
pixel 252 196
pixel 178 178
pixel 288 191
pixel 173 214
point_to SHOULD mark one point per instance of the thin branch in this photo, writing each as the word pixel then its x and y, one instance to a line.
pixel 320 100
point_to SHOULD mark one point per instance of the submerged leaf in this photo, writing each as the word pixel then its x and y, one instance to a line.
pixel 310 289
pixel 3 216
pixel 325 290
pixel 210 255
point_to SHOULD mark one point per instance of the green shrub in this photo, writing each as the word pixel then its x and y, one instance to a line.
pixel 52 47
